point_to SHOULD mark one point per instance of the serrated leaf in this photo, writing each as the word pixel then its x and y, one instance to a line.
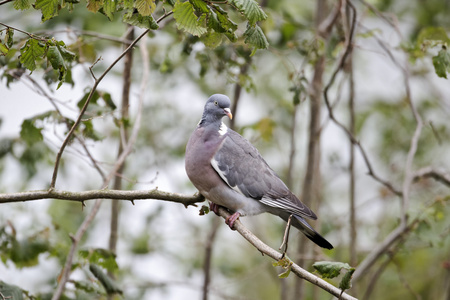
pixel 22 4
pixel 55 58
pixel 330 269
pixel 441 63
pixel 128 5
pixel 346 281
pixel 9 291
pixel 200 6
pixel 30 133
pixel 49 8
pixel 251 10
pixel 30 52
pixel 145 7
pixel 220 21
pixel 186 19
pixel 255 37
pixel 109 7
pixel 94 5
pixel 107 282
pixel 140 21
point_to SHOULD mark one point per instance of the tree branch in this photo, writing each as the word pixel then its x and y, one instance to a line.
pixel 101 194
pixel 297 270
pixel 435 174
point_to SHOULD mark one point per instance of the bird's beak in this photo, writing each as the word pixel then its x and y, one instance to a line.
pixel 228 112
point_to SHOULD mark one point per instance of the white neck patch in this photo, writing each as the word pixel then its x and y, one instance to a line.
pixel 223 129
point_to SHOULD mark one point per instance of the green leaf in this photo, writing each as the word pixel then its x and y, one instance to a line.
pixel 346 281
pixel 109 7
pixel 55 58
pixel 432 34
pixel 285 274
pixel 49 8
pixel 183 14
pixel 286 264
pixel 22 4
pixel 3 49
pixel 140 21
pixel 330 269
pixel 30 52
pixel 94 5
pixel 25 253
pixel 9 291
pixel 102 257
pixel 251 10
pixel 107 282
pixel 5 146
pixel 9 37
pixel 30 133
pixel 204 210
pixel 255 37
pixel 212 39
pixel 200 6
pixel 145 7
pixel 441 63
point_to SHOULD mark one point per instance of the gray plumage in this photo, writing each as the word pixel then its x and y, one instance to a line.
pixel 230 172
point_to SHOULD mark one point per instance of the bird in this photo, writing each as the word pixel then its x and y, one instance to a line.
pixel 230 172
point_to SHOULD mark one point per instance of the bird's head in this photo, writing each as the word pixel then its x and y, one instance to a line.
pixel 217 107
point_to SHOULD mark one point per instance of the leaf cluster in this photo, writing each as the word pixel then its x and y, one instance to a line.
pixel 427 39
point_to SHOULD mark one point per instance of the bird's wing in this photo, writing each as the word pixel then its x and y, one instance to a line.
pixel 243 169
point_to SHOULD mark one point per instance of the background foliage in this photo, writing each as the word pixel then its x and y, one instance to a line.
pixel 266 56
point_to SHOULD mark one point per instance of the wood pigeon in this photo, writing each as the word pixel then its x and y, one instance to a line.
pixel 230 172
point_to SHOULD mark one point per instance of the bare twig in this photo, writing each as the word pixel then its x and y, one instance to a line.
pixel 208 257
pixel 352 138
pixel 6 1
pixel 286 237
pixel 31 35
pixel 265 249
pixel 438 175
pixel 77 122
pixel 117 184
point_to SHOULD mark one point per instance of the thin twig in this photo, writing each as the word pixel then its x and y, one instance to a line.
pixel 265 249
pixel 435 174
pixel 6 1
pixel 208 257
pixel 77 122
pixel 33 36
pixel 286 237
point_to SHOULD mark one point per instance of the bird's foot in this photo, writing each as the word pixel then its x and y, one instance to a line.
pixel 231 219
pixel 214 207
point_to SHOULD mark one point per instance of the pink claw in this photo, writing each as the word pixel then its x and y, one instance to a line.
pixel 231 219
pixel 214 208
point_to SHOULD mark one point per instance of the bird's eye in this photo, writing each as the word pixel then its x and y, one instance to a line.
pixel 216 103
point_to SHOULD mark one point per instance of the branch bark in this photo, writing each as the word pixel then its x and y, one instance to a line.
pixel 101 194
pixel 296 269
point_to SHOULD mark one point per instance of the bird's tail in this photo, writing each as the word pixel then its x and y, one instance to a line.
pixel 300 223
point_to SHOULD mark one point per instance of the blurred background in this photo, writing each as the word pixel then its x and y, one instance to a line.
pixel 397 64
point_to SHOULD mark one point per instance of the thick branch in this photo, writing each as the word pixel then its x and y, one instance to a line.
pixel 297 270
pixel 101 194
